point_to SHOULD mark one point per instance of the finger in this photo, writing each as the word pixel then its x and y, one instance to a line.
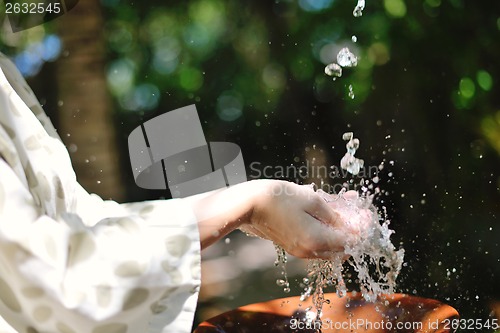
pixel 321 238
pixel 319 209
pixel 351 195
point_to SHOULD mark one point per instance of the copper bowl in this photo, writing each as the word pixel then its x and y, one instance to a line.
pixel 391 313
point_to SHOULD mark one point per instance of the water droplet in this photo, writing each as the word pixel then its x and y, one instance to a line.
pixel 351 92
pixel 354 39
pixel 286 290
pixel 346 59
pixel 227 240
pixel 349 162
pixel 333 70
pixel 370 243
pixel 358 10
pixel 347 136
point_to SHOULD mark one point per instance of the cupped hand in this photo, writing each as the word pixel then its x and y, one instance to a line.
pixel 298 219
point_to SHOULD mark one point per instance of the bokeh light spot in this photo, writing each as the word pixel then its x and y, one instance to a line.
pixel 273 76
pixel 143 97
pixel 395 8
pixel 190 78
pixel 166 55
pixel 484 80
pixel 229 106
pixel 121 76
pixel 315 5
pixel 467 88
pixel 433 3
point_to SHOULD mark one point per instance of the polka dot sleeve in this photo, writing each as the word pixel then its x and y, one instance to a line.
pixel 73 263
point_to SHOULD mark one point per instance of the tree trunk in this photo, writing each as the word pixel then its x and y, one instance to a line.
pixel 85 106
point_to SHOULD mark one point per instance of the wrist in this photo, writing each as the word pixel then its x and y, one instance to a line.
pixel 222 211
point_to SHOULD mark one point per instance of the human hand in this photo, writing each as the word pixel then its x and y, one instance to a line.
pixel 298 219
pixel 354 211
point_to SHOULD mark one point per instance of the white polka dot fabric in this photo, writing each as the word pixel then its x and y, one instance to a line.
pixel 71 262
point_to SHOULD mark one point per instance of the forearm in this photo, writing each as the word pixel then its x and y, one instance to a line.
pixel 220 212
pixel 292 216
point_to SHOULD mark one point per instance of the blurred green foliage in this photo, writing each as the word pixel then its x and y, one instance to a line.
pixel 426 97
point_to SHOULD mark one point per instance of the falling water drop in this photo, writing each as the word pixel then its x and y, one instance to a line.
pixel 358 10
pixel 350 163
pixel 347 136
pixel 351 92
pixel 333 70
pixel 346 58
pixel 280 282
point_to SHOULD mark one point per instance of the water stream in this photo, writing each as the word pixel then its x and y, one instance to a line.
pixel 367 249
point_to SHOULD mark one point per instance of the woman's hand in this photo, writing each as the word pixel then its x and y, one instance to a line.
pixel 292 216
pixel 296 218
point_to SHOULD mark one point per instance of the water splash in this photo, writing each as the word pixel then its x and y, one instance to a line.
pixel 358 10
pixel 281 261
pixel 367 245
pixel 346 58
pixel 350 163
pixel 351 92
pixel 333 70
pixel 372 255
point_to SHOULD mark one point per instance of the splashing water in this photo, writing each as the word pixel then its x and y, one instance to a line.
pixel 346 58
pixel 281 262
pixel 351 92
pixel 350 163
pixel 367 245
pixel 367 242
pixel 358 10
pixel 333 70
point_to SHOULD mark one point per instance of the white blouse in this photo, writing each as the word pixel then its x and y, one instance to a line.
pixel 71 262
